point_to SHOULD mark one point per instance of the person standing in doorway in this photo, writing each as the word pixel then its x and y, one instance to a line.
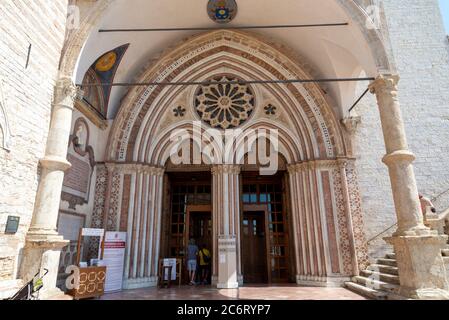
pixel 205 260
pixel 192 253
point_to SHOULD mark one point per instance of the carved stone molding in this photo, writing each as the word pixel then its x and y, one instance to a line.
pixel 72 200
pixel 226 169
pixel 90 114
pixel 325 164
pixel 351 124
pixel 129 168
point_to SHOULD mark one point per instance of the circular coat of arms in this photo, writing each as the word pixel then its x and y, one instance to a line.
pixel 222 11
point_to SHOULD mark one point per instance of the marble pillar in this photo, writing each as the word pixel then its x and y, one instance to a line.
pixel 143 226
pixel 226 219
pixel 418 249
pixel 43 243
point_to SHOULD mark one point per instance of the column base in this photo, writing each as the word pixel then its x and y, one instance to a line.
pixel 227 263
pixel 425 294
pixel 435 223
pixel 228 285
pixel 139 283
pixel 325 282
pixel 42 252
pixel 422 273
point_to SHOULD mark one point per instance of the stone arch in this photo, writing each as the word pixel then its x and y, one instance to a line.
pixel 194 60
pixel 323 197
pixel 90 13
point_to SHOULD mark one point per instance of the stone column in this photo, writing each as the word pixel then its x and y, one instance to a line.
pixel 418 249
pixel 144 214
pixel 43 243
pixel 226 220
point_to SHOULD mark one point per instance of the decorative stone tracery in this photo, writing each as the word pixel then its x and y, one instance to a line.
pixel 224 105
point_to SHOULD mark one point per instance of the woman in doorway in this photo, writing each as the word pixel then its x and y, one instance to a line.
pixel 192 253
pixel 205 259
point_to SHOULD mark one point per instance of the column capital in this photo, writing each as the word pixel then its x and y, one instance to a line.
pixel 65 92
pixel 384 82
pixel 322 164
pixel 297 167
pixel 351 123
pixel 226 169
pixel 129 168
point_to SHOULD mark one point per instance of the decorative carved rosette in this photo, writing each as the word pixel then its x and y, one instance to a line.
pixel 224 105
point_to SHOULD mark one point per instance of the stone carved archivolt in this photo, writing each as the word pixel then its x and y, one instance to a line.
pixel 224 105
pixel 322 135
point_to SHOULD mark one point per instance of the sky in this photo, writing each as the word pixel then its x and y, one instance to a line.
pixel 445 11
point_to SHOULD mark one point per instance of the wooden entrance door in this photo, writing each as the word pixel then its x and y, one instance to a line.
pixel 200 228
pixel 254 247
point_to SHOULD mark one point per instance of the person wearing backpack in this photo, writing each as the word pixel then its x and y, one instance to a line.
pixel 205 258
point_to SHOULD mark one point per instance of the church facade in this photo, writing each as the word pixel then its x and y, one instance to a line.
pixel 294 147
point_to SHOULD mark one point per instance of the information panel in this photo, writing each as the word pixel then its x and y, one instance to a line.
pixel 114 259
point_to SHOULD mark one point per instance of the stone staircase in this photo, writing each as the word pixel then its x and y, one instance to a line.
pixel 380 281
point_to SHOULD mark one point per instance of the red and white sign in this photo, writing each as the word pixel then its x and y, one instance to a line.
pixel 114 259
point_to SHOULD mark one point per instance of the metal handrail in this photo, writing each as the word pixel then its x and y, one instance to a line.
pixel 444 215
pixel 381 233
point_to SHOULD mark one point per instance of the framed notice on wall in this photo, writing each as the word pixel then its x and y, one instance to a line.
pixel 114 259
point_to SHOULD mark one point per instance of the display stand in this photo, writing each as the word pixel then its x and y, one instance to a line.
pixel 167 270
pixel 91 278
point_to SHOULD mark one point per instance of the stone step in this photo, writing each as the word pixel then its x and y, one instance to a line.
pixel 387 262
pixel 366 292
pixel 385 277
pixel 375 284
pixel 391 256
pixel 384 269
pixel 445 252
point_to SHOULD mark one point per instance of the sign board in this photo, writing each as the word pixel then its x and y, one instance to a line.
pixel 114 259
pixel 170 263
pixel 88 232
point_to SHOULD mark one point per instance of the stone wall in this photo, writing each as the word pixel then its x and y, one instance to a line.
pixel 27 91
pixel 420 47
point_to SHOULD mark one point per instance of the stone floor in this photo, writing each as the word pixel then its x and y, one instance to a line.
pixel 244 293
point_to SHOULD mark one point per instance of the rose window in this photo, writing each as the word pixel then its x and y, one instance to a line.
pixel 225 105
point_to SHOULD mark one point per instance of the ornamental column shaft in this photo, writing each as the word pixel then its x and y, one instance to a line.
pixel 226 219
pixel 398 159
pixel 422 273
pixel 43 243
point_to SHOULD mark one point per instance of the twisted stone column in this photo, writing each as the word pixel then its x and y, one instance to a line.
pixel 226 220
pixel 43 243
pixel 418 249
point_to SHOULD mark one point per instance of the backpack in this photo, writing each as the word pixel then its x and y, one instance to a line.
pixel 206 258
